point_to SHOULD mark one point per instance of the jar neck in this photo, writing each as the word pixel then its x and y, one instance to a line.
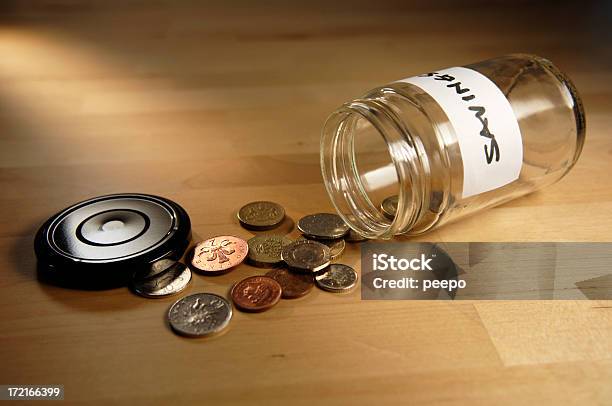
pixel 345 183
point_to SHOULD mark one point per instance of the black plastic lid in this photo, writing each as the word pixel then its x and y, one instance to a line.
pixel 100 242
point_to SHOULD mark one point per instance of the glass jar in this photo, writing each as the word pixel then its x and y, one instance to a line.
pixel 446 144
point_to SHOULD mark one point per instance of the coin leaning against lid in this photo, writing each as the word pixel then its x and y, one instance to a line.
pixel 154 270
pixel 160 266
pixel 293 284
pixel 265 250
pixel 326 226
pixel 169 281
pixel 337 278
pixel 389 206
pixel 256 293
pixel 306 255
pixel 220 253
pixel 336 247
pixel 261 215
pixel 199 315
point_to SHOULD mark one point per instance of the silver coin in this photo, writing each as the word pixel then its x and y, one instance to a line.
pixel 324 226
pixel 337 278
pixel 306 255
pixel 200 315
pixel 265 250
pixel 389 206
pixel 336 247
pixel 160 266
pixel 162 279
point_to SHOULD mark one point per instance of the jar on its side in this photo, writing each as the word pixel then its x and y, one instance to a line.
pixel 450 143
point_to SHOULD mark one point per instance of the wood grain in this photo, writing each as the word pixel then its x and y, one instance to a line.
pixel 214 105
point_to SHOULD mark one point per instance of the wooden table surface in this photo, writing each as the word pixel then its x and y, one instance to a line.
pixel 214 106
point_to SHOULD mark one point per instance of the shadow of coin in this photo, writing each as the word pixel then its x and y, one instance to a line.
pixel 264 267
pixel 284 228
pixel 289 309
pixel 401 238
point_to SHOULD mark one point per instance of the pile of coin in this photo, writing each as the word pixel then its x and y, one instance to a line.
pixel 296 266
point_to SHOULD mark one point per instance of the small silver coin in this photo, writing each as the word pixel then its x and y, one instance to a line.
pixel 200 315
pixel 265 250
pixel 306 255
pixel 161 280
pixel 336 247
pixel 324 226
pixel 337 278
pixel 389 206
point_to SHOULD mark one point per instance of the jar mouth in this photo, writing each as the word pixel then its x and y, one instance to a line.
pixel 576 101
pixel 357 190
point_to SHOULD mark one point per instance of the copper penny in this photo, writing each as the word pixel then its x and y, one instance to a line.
pixel 219 253
pixel 256 293
pixel 294 285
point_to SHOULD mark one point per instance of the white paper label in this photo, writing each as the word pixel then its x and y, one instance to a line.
pixel 487 131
